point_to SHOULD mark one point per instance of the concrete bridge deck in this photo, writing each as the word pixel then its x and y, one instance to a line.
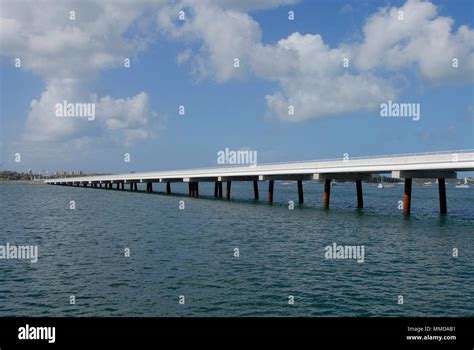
pixel 439 165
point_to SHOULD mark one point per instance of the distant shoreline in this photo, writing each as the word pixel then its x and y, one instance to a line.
pixel 25 182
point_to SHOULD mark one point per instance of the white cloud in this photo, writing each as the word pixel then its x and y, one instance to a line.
pixel 120 120
pixel 67 55
pixel 309 73
pixel 130 115
pixel 313 80
pixel 422 39
pixel 251 5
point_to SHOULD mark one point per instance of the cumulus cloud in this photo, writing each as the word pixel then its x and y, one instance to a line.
pixel 310 74
pixel 414 35
pixel 67 54
pixel 130 115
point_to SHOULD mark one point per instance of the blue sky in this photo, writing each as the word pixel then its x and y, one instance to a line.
pixel 225 108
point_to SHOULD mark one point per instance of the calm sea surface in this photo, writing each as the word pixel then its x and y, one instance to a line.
pixel 190 252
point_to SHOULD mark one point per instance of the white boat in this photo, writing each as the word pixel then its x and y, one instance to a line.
pixel 462 185
pixel 429 183
pixel 333 183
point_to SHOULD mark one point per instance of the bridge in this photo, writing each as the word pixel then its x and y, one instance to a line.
pixel 435 165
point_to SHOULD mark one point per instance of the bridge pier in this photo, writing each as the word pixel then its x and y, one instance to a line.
pixel 118 186
pixel 227 190
pixel 255 190
pixel 270 191
pixel 123 185
pixel 443 208
pixel 149 187
pixel 407 196
pixel 168 188
pixel 300 192
pixel 219 193
pixel 327 192
pixel 194 189
pixel 360 199
pixel 216 189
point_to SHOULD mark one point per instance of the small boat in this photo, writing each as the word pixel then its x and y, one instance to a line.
pixel 428 183
pixel 333 183
pixel 462 185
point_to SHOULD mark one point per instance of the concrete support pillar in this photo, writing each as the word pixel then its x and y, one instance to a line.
pixel 85 185
pixel 327 192
pixel 300 192
pixel 407 196
pixel 131 186
pixel 443 208
pixel 227 190
pixel 100 185
pixel 123 185
pixel 216 189
pixel 168 188
pixel 270 191
pixel 194 189
pixel 149 187
pixel 118 186
pixel 360 198
pixel 219 192
pixel 135 186
pixel 255 190
pixel 79 184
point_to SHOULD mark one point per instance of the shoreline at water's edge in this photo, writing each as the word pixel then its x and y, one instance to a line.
pixel 23 182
